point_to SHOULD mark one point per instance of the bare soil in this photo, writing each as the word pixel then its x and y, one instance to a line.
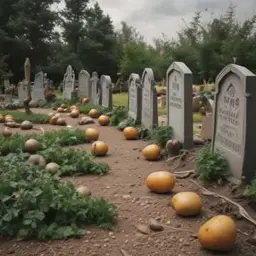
pixel 125 187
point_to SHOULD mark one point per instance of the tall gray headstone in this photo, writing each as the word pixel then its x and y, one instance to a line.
pixel 95 93
pixel 134 101
pixel 84 84
pixel 234 120
pixel 106 91
pixel 149 111
pixel 37 92
pixel 68 83
pixel 179 81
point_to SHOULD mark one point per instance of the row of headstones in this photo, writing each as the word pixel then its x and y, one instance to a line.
pixel 97 90
pixel 233 116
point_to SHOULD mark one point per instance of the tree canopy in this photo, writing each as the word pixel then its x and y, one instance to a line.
pixel 83 36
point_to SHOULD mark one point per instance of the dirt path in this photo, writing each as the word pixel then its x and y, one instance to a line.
pixel 125 187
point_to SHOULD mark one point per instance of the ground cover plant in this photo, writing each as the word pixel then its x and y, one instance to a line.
pixel 19 117
pixel 64 137
pixel 36 204
pixel 73 161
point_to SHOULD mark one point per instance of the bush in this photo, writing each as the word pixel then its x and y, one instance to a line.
pixel 118 115
pixel 74 161
pixel 211 166
pixel 250 191
pixel 22 116
pixel 161 135
pixel 36 204
pixel 64 137
pixel 85 108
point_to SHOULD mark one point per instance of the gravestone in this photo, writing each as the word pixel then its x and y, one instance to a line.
pixel 68 83
pixel 37 92
pixel 179 81
pixel 84 84
pixel 234 120
pixel 106 91
pixel 95 97
pixel 149 111
pixel 22 91
pixel 134 101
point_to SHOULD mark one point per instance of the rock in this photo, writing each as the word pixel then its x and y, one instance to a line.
pixel 37 160
pixel 155 225
pixel 33 104
pixel 198 141
pixel 86 120
pixel 144 229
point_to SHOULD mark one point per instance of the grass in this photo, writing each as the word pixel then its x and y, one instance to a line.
pixel 22 116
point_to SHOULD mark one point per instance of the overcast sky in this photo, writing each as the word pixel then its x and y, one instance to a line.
pixel 154 17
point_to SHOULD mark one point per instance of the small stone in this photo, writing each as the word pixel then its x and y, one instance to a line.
pixel 126 196
pixel 144 229
pixel 155 225
pixel 110 233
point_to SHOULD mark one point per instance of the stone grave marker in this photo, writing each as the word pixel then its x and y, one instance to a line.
pixel 68 83
pixel 22 91
pixel 37 92
pixel 234 121
pixel 106 91
pixel 149 111
pixel 134 101
pixel 206 131
pixel 95 97
pixel 179 80
pixel 84 84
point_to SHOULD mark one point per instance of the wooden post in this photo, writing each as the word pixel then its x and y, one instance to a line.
pixel 27 71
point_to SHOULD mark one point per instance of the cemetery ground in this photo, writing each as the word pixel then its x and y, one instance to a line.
pixel 124 186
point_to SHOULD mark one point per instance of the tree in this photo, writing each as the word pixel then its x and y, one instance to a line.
pixel 73 21
pixel 33 23
pixel 99 47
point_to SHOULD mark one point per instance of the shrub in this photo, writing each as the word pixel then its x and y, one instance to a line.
pixel 250 191
pixel 161 135
pixel 211 166
pixel 36 204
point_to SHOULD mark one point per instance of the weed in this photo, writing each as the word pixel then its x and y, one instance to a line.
pixel 162 134
pixel 211 166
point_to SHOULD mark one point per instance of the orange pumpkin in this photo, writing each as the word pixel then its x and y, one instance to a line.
pixel 151 152
pixel 2 119
pixel 131 133
pixel 94 113
pixel 161 182
pixel 61 121
pixel 85 100
pixel 187 203
pixel 53 120
pixel 75 113
pixel 99 148
pixel 218 234
pixel 103 120
pixel 91 134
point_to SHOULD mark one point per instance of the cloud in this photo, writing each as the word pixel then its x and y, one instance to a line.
pixel 154 17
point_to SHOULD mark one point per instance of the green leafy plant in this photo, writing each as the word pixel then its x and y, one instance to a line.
pixel 85 108
pixel 125 123
pixel 74 161
pixel 22 116
pixel 162 134
pixel 64 137
pixel 36 204
pixel 250 191
pixel 118 115
pixel 211 166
